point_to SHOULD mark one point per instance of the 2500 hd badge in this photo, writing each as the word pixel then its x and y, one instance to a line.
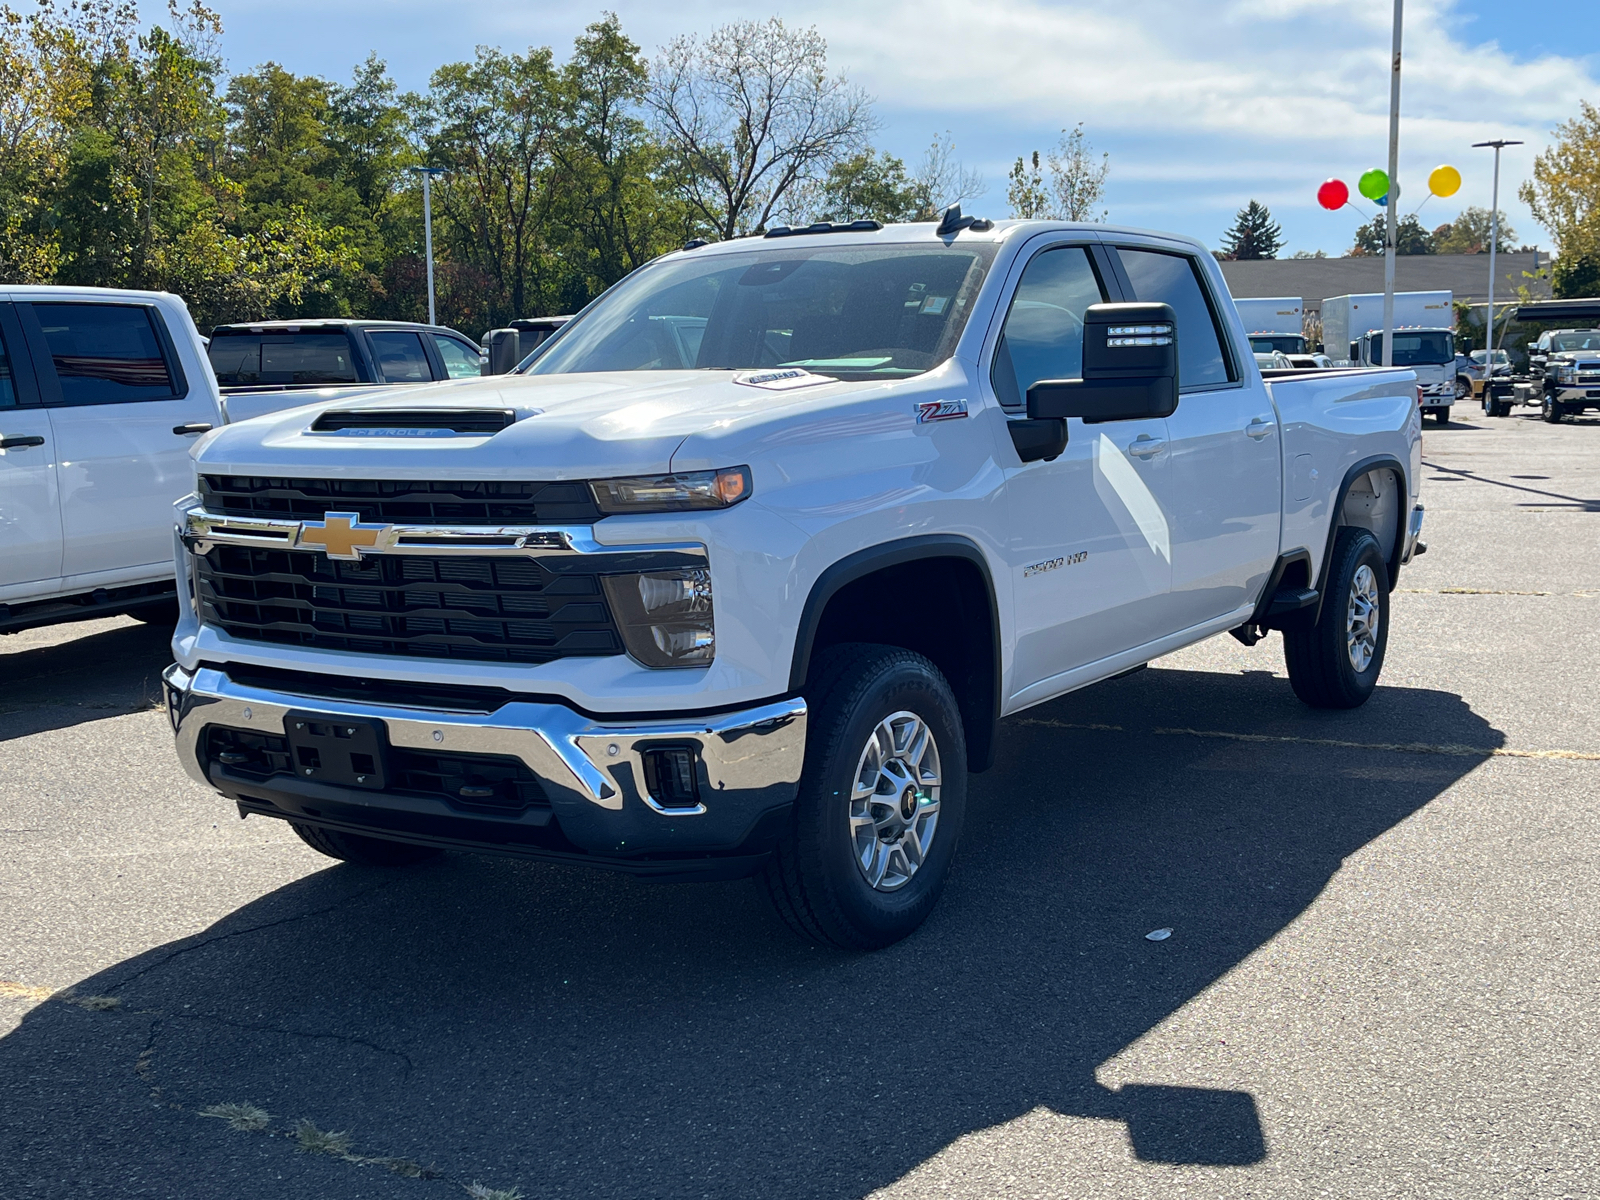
pixel 1050 564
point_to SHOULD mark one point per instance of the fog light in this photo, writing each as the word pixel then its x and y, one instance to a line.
pixel 665 616
pixel 671 778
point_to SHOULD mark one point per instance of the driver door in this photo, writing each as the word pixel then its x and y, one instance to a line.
pixel 1087 534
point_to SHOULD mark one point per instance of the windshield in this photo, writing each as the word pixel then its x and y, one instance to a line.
pixel 1417 349
pixel 1265 343
pixel 1575 341
pixel 853 312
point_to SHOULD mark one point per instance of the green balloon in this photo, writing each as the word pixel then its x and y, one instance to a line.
pixel 1374 184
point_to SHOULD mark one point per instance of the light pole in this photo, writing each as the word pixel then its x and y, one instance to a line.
pixel 1494 244
pixel 1393 199
pixel 427 174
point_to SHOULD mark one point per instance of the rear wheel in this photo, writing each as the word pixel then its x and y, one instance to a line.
pixel 369 851
pixel 1463 388
pixel 881 801
pixel 1335 663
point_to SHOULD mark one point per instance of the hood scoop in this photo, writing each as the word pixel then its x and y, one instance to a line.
pixel 413 422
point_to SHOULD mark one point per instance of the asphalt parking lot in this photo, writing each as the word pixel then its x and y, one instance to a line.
pixel 1381 980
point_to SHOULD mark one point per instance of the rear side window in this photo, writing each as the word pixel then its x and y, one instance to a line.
pixel 401 358
pixel 105 353
pixel 1172 279
pixel 8 387
pixel 247 358
pixel 1043 334
pixel 460 362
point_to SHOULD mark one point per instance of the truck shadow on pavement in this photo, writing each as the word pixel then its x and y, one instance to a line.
pixel 583 1035
pixel 59 684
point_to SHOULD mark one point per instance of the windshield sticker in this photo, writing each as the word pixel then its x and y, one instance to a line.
pixel 934 306
pixel 780 381
pixel 940 410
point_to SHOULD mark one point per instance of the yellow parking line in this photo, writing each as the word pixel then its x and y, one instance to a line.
pixel 22 991
pixel 1453 751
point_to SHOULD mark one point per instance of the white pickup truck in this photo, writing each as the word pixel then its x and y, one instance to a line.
pixel 742 574
pixel 102 394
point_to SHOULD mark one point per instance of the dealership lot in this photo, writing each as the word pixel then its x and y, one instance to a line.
pixel 1380 980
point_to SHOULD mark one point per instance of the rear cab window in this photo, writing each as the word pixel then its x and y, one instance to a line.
pixel 400 356
pixel 460 361
pixel 108 353
pixel 1172 277
pixel 243 358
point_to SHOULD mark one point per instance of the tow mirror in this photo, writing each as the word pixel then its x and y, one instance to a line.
pixel 1130 368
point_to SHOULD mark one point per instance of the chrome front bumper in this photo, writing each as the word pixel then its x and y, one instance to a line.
pixel 591 770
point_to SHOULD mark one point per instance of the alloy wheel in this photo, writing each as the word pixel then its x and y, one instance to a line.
pixel 894 801
pixel 1363 617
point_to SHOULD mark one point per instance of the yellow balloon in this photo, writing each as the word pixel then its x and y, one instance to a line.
pixel 1445 181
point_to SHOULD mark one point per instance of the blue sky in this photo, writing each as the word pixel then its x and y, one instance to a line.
pixel 1202 106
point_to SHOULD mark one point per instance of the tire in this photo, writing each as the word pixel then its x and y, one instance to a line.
pixel 864 699
pixel 1552 412
pixel 1441 416
pixel 1326 667
pixel 1463 388
pixel 369 851
pixel 164 612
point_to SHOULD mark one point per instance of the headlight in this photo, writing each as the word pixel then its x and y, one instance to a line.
pixel 672 493
pixel 665 616
pixel 1566 372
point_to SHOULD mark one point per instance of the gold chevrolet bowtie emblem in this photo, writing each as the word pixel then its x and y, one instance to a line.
pixel 340 533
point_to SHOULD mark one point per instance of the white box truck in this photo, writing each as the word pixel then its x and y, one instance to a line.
pixel 1352 329
pixel 1274 323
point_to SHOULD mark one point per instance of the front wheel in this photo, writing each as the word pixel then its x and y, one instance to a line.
pixel 1442 416
pixel 1552 412
pixel 881 800
pixel 1335 663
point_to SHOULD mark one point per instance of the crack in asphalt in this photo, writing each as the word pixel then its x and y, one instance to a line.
pixel 237 933
pixel 268 1027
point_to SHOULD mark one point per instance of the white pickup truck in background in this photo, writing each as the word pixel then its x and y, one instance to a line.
pixel 102 395
pixel 742 574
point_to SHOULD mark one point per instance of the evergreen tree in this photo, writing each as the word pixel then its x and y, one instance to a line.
pixel 1254 234
pixel 1409 237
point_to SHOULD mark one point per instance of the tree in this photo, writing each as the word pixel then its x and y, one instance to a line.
pixel 941 180
pixel 1409 237
pixel 492 124
pixel 1576 276
pixel 1254 234
pixel 1564 193
pixel 1067 185
pixel 751 115
pixel 1469 234
pixel 869 186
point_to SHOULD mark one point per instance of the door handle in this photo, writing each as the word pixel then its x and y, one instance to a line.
pixel 1145 446
pixel 20 443
pixel 1258 428
pixel 196 427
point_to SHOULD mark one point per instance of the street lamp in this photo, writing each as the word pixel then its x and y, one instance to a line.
pixel 1393 199
pixel 427 174
pixel 1494 243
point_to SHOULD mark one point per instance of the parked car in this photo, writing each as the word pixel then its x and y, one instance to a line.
pixel 103 393
pixel 307 355
pixel 1273 360
pixel 741 575
pixel 1311 362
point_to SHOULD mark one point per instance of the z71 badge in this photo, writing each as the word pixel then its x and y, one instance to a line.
pixel 940 410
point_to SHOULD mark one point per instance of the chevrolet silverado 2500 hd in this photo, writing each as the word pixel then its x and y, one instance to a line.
pixel 742 574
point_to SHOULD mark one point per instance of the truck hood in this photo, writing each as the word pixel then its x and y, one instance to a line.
pixel 566 427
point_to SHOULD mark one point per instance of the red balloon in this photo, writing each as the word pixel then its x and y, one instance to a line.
pixel 1333 195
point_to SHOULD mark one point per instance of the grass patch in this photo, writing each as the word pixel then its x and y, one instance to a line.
pixel 246 1118
pixel 478 1192
pixel 318 1141
pixel 403 1167
pixel 92 1003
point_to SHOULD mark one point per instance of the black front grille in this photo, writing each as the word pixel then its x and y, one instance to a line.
pixel 493 783
pixel 488 609
pixel 401 502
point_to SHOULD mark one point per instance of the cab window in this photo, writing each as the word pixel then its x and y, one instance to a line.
pixel 1043 334
pixel 400 355
pixel 1174 279
pixel 105 353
